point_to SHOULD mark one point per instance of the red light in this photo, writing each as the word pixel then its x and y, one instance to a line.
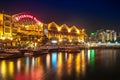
pixel 18 18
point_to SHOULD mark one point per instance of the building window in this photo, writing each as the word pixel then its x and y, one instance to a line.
pixel 7 30
pixel 7 18
pixel 1 22
pixel 7 24
pixel 14 31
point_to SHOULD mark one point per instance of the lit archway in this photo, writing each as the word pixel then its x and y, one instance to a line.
pixel 74 29
pixel 53 26
pixel 64 28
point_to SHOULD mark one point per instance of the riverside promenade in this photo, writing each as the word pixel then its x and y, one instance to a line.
pixel 21 52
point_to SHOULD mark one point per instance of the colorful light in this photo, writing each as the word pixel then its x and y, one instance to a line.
pixel 18 18
pixel 92 34
pixel 54 59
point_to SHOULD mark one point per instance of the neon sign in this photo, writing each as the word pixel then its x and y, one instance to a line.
pixel 18 18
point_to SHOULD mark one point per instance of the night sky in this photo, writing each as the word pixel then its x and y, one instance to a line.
pixel 88 14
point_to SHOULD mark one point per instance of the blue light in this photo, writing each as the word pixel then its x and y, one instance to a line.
pixel 116 42
pixel 28 61
pixel 54 59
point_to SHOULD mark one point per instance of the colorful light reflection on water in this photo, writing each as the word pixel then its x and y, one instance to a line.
pixel 60 66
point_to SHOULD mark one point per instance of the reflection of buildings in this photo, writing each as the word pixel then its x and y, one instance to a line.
pixel 23 29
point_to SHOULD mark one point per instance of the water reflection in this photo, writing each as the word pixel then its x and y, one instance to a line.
pixel 38 61
pixel 27 65
pixel 3 69
pixel 18 65
pixel 78 63
pixel 60 59
pixel 83 63
pixel 48 61
pixel 58 64
pixel 69 64
pixel 54 59
pixel 65 56
pixel 92 59
pixel 11 68
pixel 33 62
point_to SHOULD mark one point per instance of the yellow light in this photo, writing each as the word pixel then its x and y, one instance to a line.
pixel 70 40
pixel 78 31
pixel 3 69
pixel 48 60
pixel 83 63
pixel 68 30
pixel 59 59
pixel 59 64
pixel 80 41
pixel 69 61
pixel 27 26
pixel 3 38
pixel 78 63
pixel 38 39
pixel 38 61
pixel 39 23
pixel 60 40
pixel 11 68
pixel 35 44
pixel 11 38
pixel 58 29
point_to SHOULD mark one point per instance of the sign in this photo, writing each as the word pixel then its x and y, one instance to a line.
pixel 18 18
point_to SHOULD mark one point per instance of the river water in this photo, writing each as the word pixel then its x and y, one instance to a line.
pixel 94 64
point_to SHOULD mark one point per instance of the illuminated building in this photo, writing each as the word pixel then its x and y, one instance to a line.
pixel 26 30
pixel 106 36
pixel 5 28
pixel 64 33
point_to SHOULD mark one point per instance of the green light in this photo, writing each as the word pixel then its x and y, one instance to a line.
pixel 92 34
pixel 92 53
pixel 92 58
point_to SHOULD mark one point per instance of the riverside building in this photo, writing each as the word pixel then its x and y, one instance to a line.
pixel 26 30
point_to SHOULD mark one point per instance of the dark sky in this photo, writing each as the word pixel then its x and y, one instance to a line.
pixel 89 14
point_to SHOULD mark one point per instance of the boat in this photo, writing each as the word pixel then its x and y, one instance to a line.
pixel 28 54
pixel 11 51
pixel 4 56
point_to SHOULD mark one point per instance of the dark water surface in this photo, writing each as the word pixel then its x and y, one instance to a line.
pixel 99 64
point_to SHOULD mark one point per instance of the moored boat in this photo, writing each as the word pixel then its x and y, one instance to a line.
pixel 11 51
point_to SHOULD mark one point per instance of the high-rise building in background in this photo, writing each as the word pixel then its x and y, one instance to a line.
pixel 105 36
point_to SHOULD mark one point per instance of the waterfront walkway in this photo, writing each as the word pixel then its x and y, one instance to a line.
pixel 14 53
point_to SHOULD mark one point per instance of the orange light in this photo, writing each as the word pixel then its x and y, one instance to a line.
pixel 58 29
pixel 68 30
pixel 60 40
pixel 3 38
pixel 70 40
pixel 78 31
